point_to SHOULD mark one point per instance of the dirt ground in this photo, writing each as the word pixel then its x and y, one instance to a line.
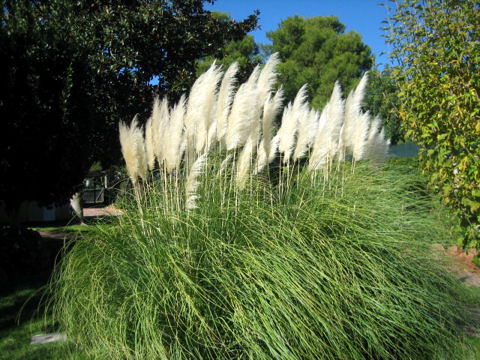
pixel 460 263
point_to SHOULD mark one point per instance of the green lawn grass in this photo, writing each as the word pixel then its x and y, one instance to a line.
pixel 61 229
pixel 21 316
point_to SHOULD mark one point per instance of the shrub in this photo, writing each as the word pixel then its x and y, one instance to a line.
pixel 330 269
pixel 437 45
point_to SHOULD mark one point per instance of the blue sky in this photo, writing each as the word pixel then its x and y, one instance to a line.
pixel 362 16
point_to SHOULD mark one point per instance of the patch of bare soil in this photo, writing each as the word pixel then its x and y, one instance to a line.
pixel 461 264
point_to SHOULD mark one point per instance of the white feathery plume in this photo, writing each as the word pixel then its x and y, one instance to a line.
pixel 335 118
pixel 372 137
pixel 286 118
pixel 314 123
pixel 192 117
pixel 244 161
pixel 377 146
pixel 155 116
pixel 353 109
pixel 129 148
pixel 225 99
pixel 264 83
pixel 326 142
pixel 246 156
pixel 273 149
pixel 175 140
pixel 344 143
pixel 381 147
pixel 211 136
pixel 223 165
pixel 318 158
pixel 262 158
pixel 306 127
pixel 360 133
pixel 208 109
pixel 133 149
pixel 193 183
pixel 200 108
pixel 149 147
pixel 330 124
pixel 267 78
pixel 342 148
pixel 160 119
pixel 239 121
pixel 242 116
pixel 261 161
pixel 288 129
pixel 271 109
pixel 142 153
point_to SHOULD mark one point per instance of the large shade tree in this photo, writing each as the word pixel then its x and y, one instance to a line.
pixel 245 51
pixel 317 51
pixel 72 69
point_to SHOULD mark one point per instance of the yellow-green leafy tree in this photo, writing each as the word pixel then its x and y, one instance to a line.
pixel 437 46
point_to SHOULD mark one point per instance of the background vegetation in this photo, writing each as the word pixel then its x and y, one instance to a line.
pixel 72 70
pixel 436 44
pixel 317 51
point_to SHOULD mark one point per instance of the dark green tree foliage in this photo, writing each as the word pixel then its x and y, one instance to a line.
pixel 381 98
pixel 71 70
pixel 437 44
pixel 245 52
pixel 317 51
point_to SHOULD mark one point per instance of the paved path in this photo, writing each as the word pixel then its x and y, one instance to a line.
pixel 93 212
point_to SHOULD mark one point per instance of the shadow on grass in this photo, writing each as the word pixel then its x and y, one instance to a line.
pixel 22 316
pixel 23 292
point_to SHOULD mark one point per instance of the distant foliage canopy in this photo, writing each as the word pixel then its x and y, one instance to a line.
pixel 317 51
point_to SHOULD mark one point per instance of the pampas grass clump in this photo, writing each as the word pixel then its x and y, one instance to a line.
pixel 217 258
pixel 336 270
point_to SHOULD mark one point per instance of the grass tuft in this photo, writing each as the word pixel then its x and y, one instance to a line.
pixel 324 269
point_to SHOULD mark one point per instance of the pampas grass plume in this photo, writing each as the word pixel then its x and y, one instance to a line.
pixel 207 110
pixel 271 109
pixel 307 127
pixel 353 109
pixel 321 144
pixel 133 149
pixel 193 182
pixel 242 116
pixel 175 141
pixel 149 144
pixel 160 119
pixel 289 127
pixel 360 133
pixel 225 99
pixel 262 157
pixel 268 77
pixel 200 108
